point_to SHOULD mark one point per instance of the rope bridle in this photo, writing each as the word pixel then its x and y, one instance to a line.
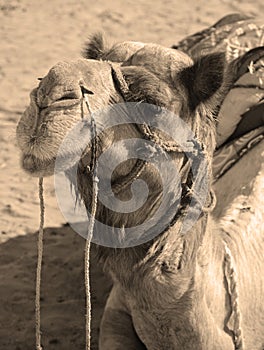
pixel 188 193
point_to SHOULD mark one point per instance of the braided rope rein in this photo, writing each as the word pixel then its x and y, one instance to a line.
pixel 39 265
pixel 235 317
pixel 95 180
pixel 87 245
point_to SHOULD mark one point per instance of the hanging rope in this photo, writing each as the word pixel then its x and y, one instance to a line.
pixel 95 180
pixel 235 317
pixel 88 317
pixel 39 265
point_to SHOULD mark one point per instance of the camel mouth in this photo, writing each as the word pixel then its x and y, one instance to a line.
pixel 63 103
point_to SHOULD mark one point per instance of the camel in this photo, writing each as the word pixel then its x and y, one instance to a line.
pixel 199 289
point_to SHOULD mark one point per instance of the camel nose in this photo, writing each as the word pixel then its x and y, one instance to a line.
pixel 59 85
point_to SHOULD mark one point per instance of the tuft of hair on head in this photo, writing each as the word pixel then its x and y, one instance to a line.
pixel 95 47
pixel 204 78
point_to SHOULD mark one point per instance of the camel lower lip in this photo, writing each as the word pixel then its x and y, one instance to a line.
pixel 70 103
pixel 35 166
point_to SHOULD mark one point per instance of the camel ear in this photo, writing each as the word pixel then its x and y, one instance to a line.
pixel 95 48
pixel 145 86
pixel 204 78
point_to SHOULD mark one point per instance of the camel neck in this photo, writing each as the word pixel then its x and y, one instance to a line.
pixel 170 253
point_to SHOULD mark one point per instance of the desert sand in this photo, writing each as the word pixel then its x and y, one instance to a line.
pixel 34 36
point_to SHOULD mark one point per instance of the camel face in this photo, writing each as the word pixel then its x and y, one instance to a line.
pixel 56 106
pixel 155 75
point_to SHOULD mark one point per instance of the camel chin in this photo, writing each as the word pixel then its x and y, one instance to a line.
pixel 36 167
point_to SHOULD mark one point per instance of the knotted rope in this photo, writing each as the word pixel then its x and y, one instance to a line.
pixel 188 147
pixel 235 317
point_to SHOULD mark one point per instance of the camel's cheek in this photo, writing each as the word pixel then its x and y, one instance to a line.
pixel 25 128
pixel 57 131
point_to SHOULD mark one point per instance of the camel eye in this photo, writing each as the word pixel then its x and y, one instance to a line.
pixel 40 79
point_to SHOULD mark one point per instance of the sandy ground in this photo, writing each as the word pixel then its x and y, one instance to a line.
pixel 34 36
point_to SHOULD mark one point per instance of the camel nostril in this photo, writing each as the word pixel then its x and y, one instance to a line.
pixel 33 138
pixel 68 96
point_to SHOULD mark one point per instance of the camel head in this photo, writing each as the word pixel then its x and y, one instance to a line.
pixel 127 73
pixel 56 106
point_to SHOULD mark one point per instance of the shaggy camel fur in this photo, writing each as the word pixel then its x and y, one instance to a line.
pixel 172 292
